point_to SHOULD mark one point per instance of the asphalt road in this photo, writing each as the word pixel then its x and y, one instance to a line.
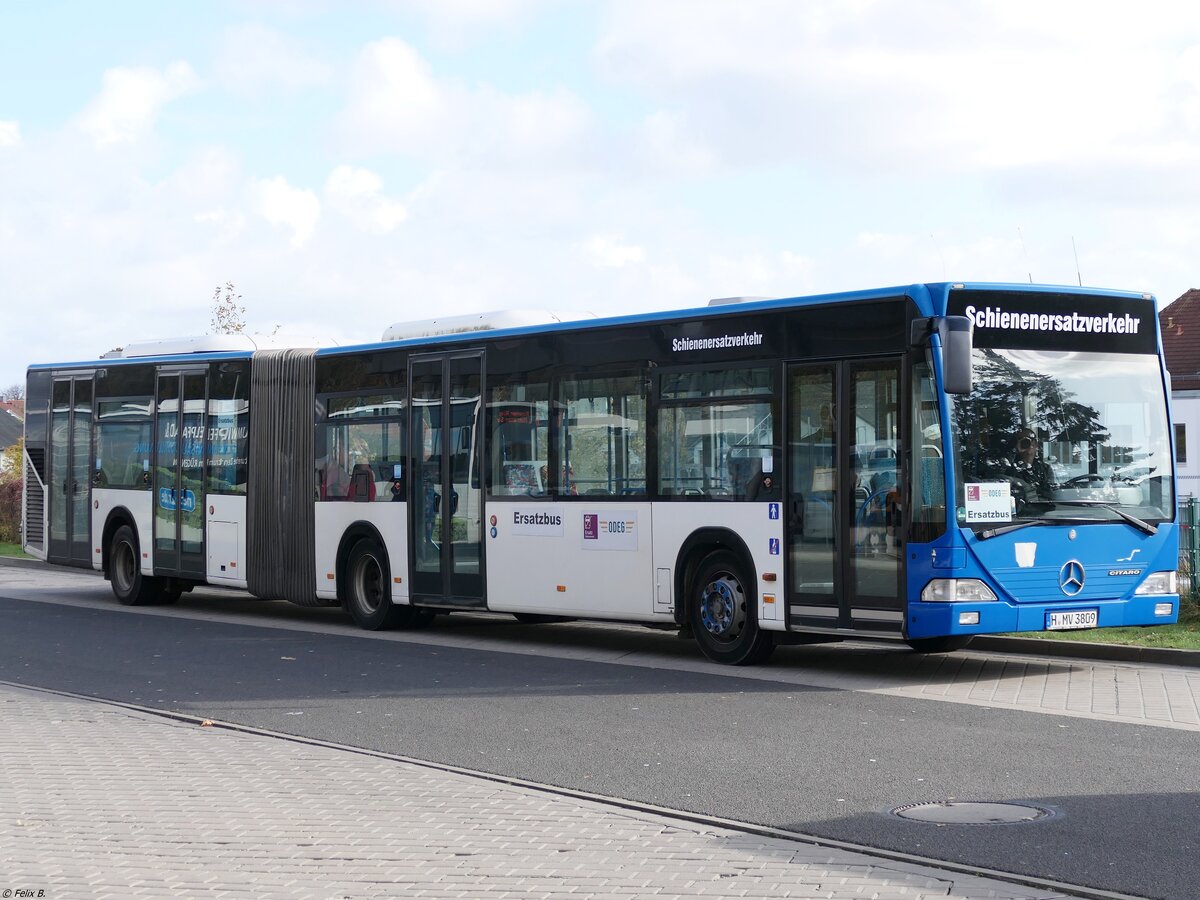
pixel 826 762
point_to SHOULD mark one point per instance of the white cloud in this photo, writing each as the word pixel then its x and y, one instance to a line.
pixel 669 144
pixel 130 100
pixel 209 175
pixel 254 59
pixel 528 126
pixel 462 13
pixel 961 87
pixel 285 206
pixel 610 252
pixel 454 25
pixel 225 224
pixel 747 148
pixel 358 195
pixel 396 104
pixel 748 274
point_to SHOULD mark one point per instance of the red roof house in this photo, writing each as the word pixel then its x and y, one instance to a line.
pixel 1180 326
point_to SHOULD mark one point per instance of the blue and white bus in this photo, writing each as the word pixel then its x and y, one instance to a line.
pixel 919 464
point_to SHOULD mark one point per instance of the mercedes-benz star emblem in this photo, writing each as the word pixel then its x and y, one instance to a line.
pixel 1071 577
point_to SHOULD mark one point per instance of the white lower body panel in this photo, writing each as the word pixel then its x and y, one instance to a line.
pixel 618 560
pixel 571 559
pixel 760 527
pixel 140 506
pixel 225 540
pixel 333 519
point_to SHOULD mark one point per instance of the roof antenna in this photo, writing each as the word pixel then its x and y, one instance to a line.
pixel 1023 253
pixel 1078 277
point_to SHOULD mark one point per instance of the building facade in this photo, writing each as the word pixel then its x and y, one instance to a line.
pixel 1180 325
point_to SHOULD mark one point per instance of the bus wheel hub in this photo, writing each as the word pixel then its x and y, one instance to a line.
pixel 720 607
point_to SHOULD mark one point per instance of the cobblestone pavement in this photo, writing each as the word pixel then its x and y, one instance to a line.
pixel 98 800
pixel 1136 693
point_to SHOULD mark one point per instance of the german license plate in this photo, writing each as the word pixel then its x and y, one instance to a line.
pixel 1075 618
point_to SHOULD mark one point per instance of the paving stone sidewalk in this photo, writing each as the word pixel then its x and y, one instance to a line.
pixel 97 800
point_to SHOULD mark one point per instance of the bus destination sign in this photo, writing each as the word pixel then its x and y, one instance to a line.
pixel 1043 321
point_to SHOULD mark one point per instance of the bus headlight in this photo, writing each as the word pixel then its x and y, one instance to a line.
pixel 1158 583
pixel 957 590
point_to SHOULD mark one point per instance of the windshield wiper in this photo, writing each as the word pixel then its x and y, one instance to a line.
pixel 1017 526
pixel 1048 520
pixel 1132 520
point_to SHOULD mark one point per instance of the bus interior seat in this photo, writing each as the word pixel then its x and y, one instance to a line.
pixel 362 484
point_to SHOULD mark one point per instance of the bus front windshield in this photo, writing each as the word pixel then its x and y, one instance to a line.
pixel 1059 435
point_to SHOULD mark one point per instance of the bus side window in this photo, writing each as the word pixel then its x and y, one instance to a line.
pixel 602 435
pixel 518 425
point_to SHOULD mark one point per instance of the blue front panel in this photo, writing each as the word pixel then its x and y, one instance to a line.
pixel 1025 569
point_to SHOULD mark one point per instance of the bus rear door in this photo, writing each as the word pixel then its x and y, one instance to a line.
pixel 445 495
pixel 179 473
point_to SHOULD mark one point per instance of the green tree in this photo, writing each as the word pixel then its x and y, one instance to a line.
pixel 12 460
pixel 10 493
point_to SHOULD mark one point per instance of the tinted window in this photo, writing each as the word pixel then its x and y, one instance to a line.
pixel 228 428
pixel 602 435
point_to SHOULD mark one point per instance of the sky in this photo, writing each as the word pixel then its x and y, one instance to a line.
pixel 350 165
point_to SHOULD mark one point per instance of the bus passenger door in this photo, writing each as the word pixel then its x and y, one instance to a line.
pixel 71 470
pixel 813 514
pixel 844 490
pixel 445 494
pixel 873 513
pixel 179 474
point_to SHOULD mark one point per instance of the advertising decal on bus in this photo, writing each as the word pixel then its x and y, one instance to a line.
pixel 616 530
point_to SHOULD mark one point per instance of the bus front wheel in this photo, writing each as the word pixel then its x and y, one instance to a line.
pixel 722 616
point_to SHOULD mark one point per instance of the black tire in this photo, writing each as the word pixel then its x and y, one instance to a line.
pixel 369 587
pixel 169 593
pixel 940 644
pixel 722 615
pixel 129 585
pixel 414 616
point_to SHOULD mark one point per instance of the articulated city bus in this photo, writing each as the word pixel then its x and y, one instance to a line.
pixel 920 464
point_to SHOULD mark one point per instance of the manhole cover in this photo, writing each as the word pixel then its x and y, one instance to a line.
pixel 956 812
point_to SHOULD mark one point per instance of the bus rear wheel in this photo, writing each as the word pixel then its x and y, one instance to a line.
pixel 369 587
pixel 947 644
pixel 129 585
pixel 721 614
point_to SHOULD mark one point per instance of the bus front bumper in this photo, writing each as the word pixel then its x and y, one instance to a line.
pixel 998 616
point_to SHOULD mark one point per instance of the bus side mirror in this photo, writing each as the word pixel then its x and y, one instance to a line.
pixel 956 333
